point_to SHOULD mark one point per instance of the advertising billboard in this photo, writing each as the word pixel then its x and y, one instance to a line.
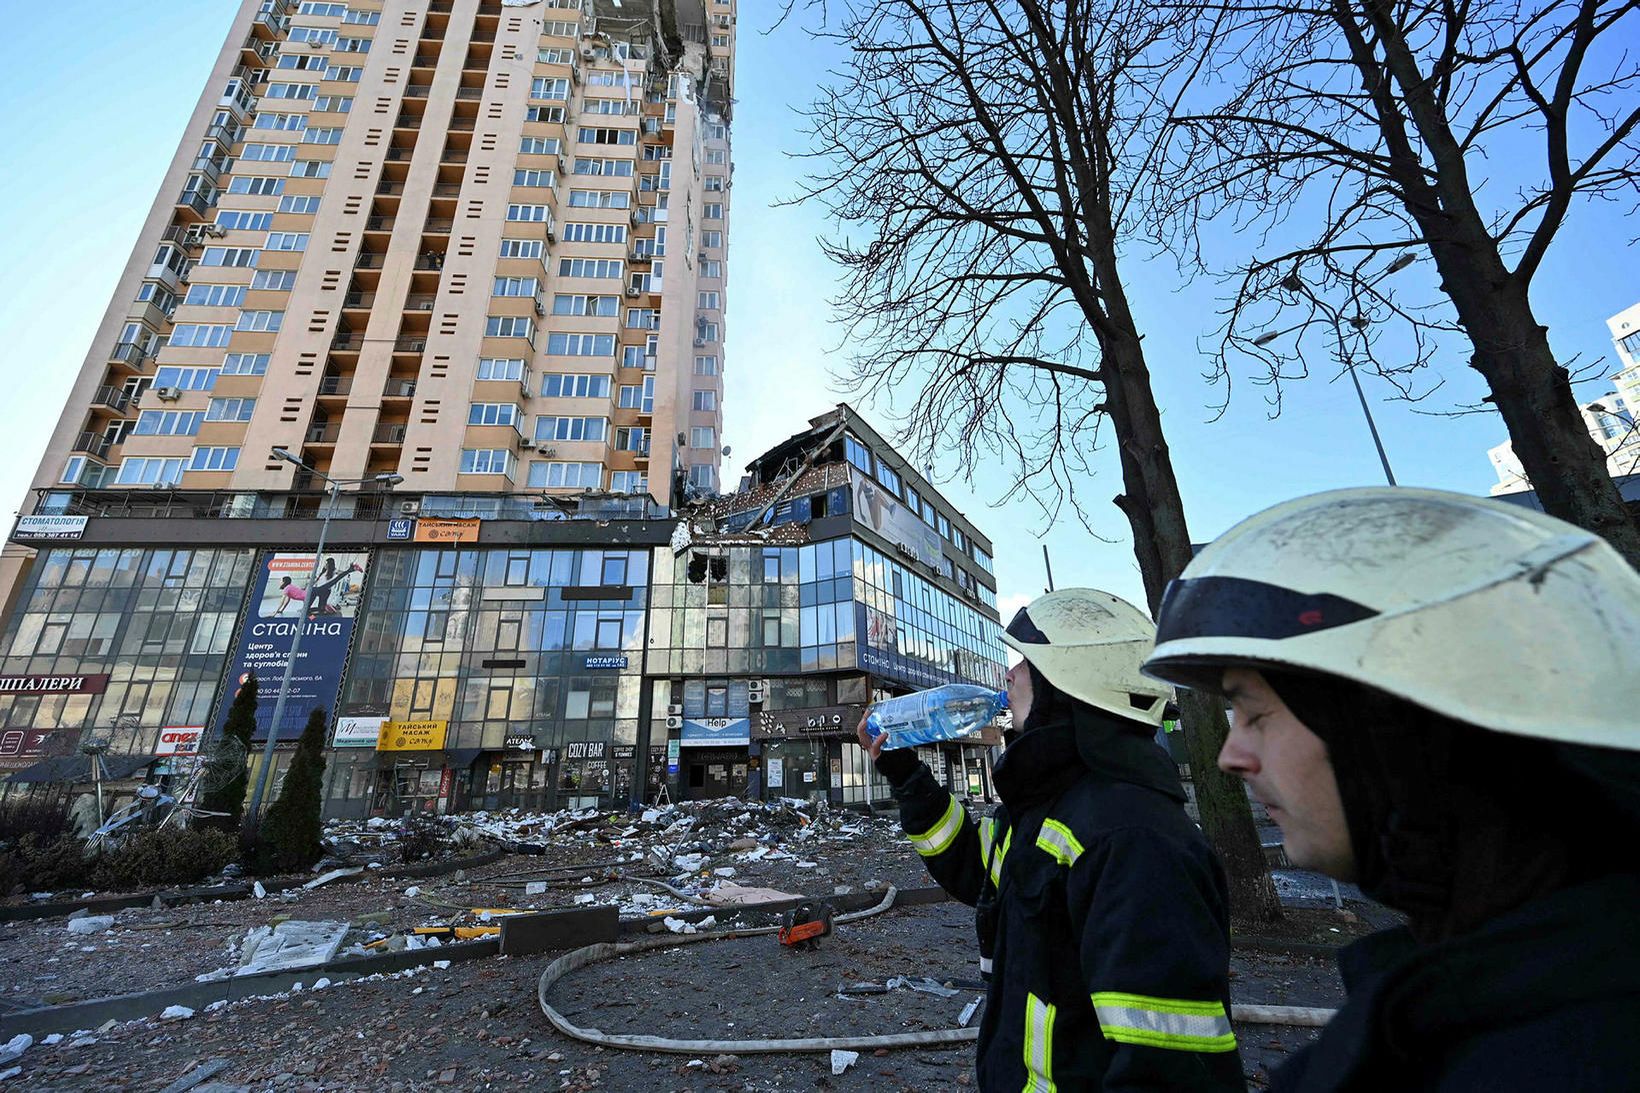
pixel 885 514
pixel 710 732
pixel 282 600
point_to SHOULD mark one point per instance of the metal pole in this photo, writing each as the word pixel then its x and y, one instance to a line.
pixel 252 819
pixel 1376 443
pixel 1048 564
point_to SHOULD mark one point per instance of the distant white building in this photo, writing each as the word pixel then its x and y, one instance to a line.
pixel 1610 419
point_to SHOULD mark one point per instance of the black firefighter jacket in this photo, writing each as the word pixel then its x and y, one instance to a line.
pixel 1545 997
pixel 1110 947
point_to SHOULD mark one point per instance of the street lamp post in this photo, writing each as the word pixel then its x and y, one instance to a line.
pixel 1360 323
pixel 264 773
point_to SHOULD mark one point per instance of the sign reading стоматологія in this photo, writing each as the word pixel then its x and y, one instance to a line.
pixel 283 601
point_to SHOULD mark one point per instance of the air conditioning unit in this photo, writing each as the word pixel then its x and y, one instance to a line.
pixel 526 444
pixel 169 394
pixel 540 308
pixel 409 508
pixel 216 230
pixel 674 710
pixel 552 235
pixel 194 236
pixel 674 722
pixel 699 342
pixel 587 54
pixel 633 290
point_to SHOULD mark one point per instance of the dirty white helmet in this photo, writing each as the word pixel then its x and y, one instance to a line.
pixel 1478 610
pixel 1090 645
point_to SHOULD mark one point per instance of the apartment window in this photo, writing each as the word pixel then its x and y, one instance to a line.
pixel 554 474
pixel 362 18
pixel 705 331
pixel 576 232
pixel 351 74
pixel 942 525
pixel 615 168
pixel 628 482
pixel 712 210
pixel 335 104
pixel 486 461
pixel 609 106
pixel 292 123
pixel 706 366
pixel 260 320
pixel 983 558
pixel 712 239
pixel 318 35
pixel 709 301
pixel 312 7
pixel 713 184
pixel 590 135
pixel 322 136
pixel 168 422
pixel 544 113
pixel 526 177
pixel 571 428
pixel 717 157
pixel 632 438
pixel 302 63
pixel 245 364
pixel 353 45
pixel 555 56
pixel 268 153
pixel 538 146
pixel 256 185
pixel 581 345
pixel 705 400
pixel 215 295
pixel 233 220
pixel 636 396
pixel 185 379
pixel 720 41
pixel 492 413
pixel 240 257
pixel 291 91
pixel 501 368
pixel 149 472
pixel 599 306
pixel 600 199
pixel 201 335
pixel 886 475
pixel 521 248
pixel 643 318
pixel 711 267
pixel 286 241
pixel 531 214
pixel 857 454
pixel 574 385
pixel 549 87
pixel 510 326
pixel 274 280
pixel 230 409
pixel 214 459
pixel 514 286
pixel 561 28
pixel 702 475
pixel 590 267
pixel 299 203
pixel 702 436
pixel 310 168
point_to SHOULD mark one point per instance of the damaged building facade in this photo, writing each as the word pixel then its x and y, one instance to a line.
pixel 835 576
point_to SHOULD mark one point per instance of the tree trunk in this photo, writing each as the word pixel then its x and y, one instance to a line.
pixel 1161 537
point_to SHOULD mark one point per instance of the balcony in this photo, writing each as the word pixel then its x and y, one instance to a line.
pixel 347 343
pixel 469 93
pixel 324 432
pixel 93 444
pixel 192 200
pixel 453 155
pixel 109 397
pixel 335 386
pixel 380 223
pixel 130 354
pixel 407 121
pixel 461 125
pixel 398 155
pixel 399 388
pixel 359 299
pixel 419 301
pixel 417 91
pixel 369 260
pixel 389 189
pixel 425 60
pixel 389 434
pixel 409 344
pixel 432 260
pixel 222 134
pixel 447 189
pixel 438 227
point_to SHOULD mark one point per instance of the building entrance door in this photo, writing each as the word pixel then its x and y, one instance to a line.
pixel 714 772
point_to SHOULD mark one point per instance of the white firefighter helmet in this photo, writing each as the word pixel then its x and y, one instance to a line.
pixel 1482 611
pixel 1090 645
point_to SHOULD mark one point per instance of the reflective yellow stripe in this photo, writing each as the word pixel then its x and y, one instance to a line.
pixel 1060 844
pixel 996 862
pixel 987 835
pixel 1178 1024
pixel 937 839
pixel 1039 1016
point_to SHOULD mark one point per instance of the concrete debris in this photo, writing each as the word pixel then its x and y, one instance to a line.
pixel 335 874
pixel 968 1013
pixel 842 1060
pixel 90 924
pixel 922 983
pixel 290 945
pixel 731 895
pixel 680 926
pixel 176 1013
pixel 14 1048
pixel 258 891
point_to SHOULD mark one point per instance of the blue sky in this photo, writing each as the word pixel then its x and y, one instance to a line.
pixel 105 106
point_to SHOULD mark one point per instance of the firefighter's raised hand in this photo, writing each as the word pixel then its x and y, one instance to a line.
pixel 873 745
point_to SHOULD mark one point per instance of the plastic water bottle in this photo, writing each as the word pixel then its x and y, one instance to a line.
pixel 927 717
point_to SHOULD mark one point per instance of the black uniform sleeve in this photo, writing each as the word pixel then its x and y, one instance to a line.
pixel 1155 954
pixel 942 832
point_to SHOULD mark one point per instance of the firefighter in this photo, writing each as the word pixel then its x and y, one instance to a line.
pixel 1101 910
pixel 1436 696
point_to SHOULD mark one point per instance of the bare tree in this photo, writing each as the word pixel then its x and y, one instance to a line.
pixel 1465 129
pixel 986 153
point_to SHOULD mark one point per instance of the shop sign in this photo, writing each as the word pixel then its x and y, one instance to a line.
pixel 357 732
pixel 603 661
pixel 625 751
pixel 520 742
pixel 411 736
pixel 289 596
pixel 672 756
pixel 777 773
pixel 814 721
pixel 49 527
pixel 400 529
pixel 447 531
pixel 179 740
pixel 21 748
pixel 585 749
pixel 712 732
pixel 53 685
